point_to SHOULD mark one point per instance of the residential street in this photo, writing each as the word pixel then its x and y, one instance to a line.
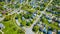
pixel 30 17
pixel 29 30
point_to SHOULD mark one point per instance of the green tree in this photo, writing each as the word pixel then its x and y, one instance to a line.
pixel 35 28
pixel 7 18
pixel 23 23
pixel 38 13
pixel 28 23
pixel 27 16
pixel 20 32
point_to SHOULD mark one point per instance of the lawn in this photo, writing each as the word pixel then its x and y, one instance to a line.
pixel 10 27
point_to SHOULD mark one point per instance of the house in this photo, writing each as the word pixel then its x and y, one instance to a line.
pixel 45 0
pixel 54 19
pixel 27 20
pixel 58 20
pixel 23 18
pixel 45 30
pixel 49 21
pixel 49 32
pixel 17 22
pixel 1 26
pixel 32 17
pixel 43 24
pixel 38 23
pixel 21 1
pixel 50 28
pixel 5 6
pixel 34 14
pixel 4 12
pixel 58 32
pixel 41 28
pixel 53 32
pixel 53 12
pixel 48 17
pixel 56 12
pixel 59 24
pixel 49 10
pixel 32 2
pixel 0 15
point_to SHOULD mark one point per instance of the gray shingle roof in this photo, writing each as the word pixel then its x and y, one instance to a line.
pixel 1 25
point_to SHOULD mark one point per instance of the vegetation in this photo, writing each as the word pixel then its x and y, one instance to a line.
pixel 35 28
pixel 28 23
pixel 20 32
pixel 7 7
pixel 54 26
pixel 23 23
pixel 0 32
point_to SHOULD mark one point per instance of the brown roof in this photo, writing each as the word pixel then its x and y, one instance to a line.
pixel 3 12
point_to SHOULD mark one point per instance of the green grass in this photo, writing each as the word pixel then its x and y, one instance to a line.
pixel 10 27
pixel 48 13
